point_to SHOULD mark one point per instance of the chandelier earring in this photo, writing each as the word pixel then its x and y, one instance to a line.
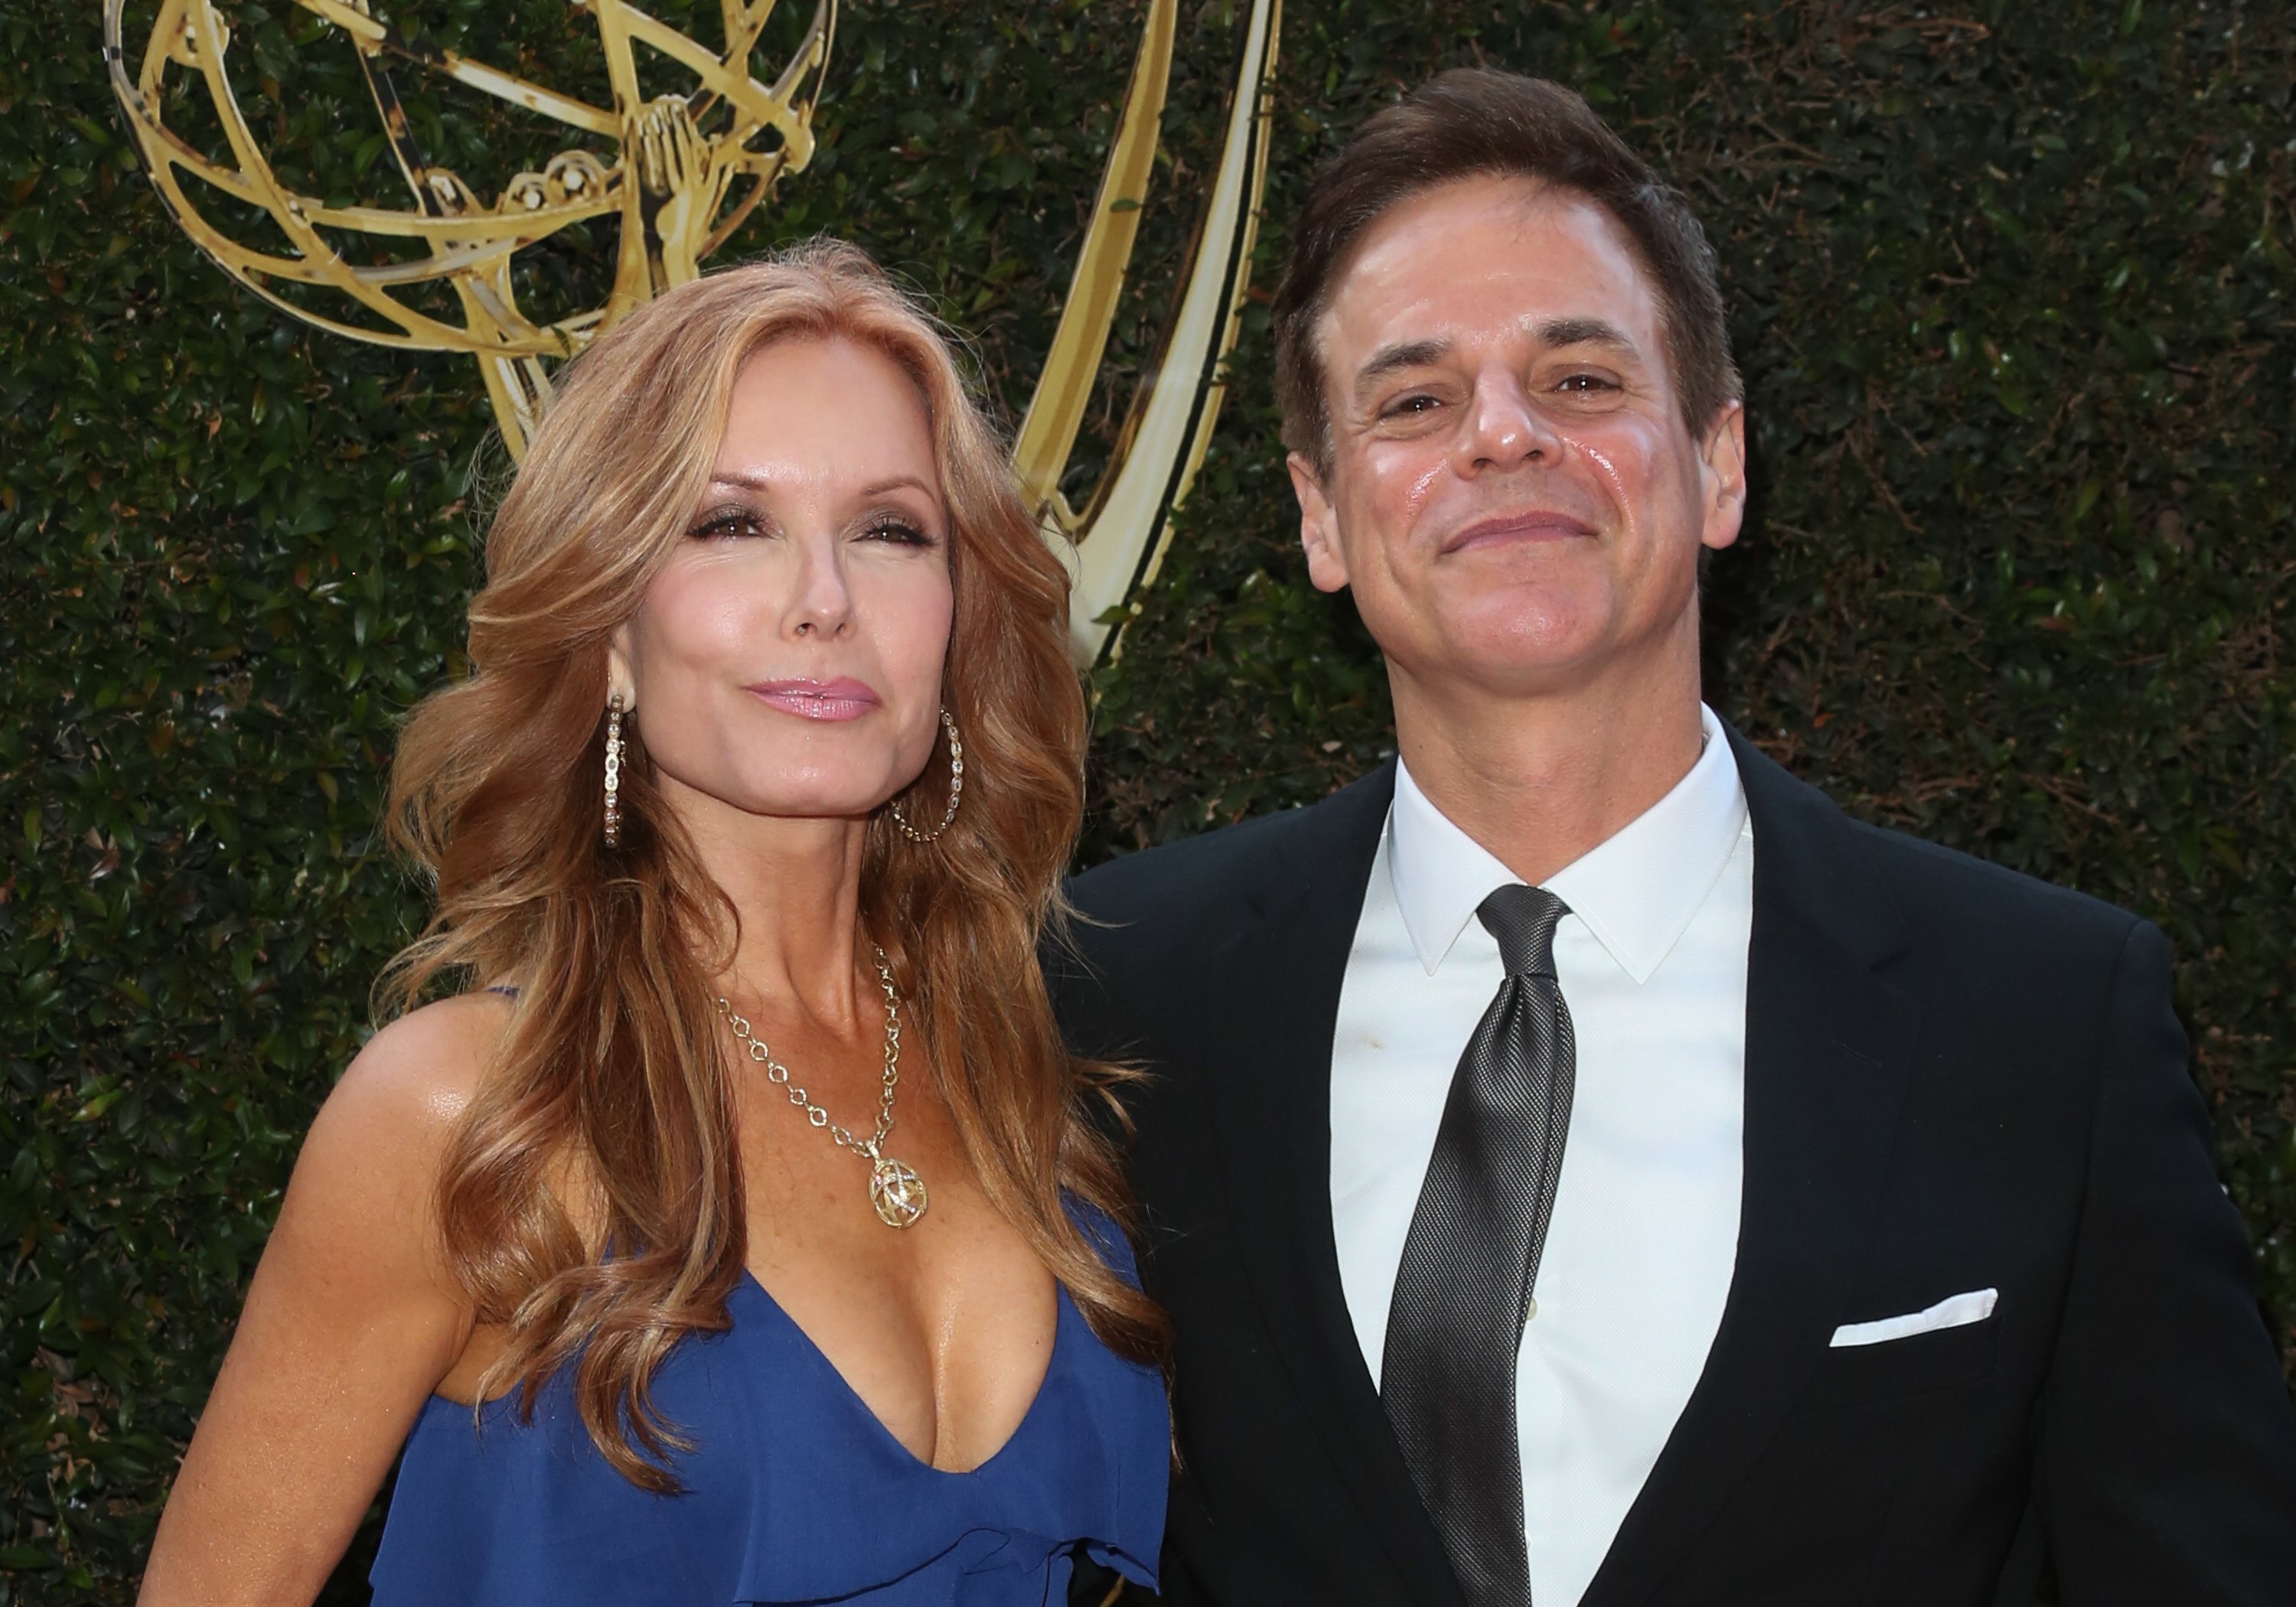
pixel 614 771
pixel 956 787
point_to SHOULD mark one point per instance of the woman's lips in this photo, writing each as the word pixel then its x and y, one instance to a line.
pixel 843 699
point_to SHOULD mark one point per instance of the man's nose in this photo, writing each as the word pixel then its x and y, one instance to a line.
pixel 822 604
pixel 1504 428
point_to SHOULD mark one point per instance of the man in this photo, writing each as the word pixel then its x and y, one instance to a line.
pixel 1581 1165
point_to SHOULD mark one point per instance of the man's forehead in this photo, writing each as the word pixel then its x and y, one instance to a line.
pixel 1487 255
pixel 1532 329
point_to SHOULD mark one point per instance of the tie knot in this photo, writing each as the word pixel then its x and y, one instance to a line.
pixel 1523 920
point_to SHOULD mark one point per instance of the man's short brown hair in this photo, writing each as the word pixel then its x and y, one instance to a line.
pixel 1470 122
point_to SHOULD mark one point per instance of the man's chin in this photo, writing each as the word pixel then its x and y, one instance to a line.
pixel 1548 641
pixel 1507 670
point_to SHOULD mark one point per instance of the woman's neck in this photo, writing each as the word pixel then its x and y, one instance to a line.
pixel 795 885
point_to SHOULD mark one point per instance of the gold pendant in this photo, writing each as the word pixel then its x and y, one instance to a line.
pixel 897 1191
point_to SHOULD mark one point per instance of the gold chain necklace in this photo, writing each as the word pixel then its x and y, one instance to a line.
pixel 895 1189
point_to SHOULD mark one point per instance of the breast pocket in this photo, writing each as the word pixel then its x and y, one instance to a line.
pixel 1918 1364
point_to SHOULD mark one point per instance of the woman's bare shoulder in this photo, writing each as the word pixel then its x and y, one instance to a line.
pixel 420 1072
pixel 353 1318
pixel 371 1159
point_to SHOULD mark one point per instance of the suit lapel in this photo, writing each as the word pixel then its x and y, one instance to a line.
pixel 1828 1042
pixel 1271 1123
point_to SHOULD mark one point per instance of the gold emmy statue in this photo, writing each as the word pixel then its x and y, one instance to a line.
pixel 686 168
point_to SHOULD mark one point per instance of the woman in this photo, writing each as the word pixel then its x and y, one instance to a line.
pixel 771 740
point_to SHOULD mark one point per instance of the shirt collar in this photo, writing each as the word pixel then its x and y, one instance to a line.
pixel 1636 892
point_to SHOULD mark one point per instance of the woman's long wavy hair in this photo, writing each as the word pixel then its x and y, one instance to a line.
pixel 592 1198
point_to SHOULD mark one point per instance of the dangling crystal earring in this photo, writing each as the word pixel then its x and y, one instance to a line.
pixel 614 771
pixel 956 787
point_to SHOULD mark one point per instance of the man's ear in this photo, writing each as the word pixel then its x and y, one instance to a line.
pixel 1319 528
pixel 1722 477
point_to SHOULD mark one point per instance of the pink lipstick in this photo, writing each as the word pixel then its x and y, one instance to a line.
pixel 843 699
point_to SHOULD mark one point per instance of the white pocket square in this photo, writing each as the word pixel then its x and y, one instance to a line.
pixel 1958 1312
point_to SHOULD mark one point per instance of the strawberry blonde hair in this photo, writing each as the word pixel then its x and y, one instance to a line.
pixel 613 1077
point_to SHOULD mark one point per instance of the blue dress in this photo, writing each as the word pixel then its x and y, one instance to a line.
pixel 794 1491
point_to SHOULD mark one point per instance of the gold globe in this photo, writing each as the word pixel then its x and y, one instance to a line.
pixel 677 192
pixel 684 170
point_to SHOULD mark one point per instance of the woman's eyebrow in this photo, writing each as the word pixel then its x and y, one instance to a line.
pixel 900 482
pixel 748 483
pixel 760 482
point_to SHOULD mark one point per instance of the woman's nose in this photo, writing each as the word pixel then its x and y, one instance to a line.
pixel 822 606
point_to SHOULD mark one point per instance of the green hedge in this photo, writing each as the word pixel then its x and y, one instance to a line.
pixel 2012 292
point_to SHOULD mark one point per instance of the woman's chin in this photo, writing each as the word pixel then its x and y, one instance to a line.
pixel 825 799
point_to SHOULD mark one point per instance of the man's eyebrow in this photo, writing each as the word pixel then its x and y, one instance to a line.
pixel 1405 354
pixel 1584 332
pixel 1554 331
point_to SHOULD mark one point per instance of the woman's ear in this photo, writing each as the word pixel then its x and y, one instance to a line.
pixel 620 680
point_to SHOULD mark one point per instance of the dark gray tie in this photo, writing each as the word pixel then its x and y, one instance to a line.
pixel 1464 1290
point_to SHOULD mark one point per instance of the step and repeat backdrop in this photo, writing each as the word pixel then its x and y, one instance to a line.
pixel 282 286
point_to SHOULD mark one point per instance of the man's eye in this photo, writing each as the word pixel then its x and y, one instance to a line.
pixel 1418 402
pixel 1586 382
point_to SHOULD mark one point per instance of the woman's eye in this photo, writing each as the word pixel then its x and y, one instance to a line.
pixel 727 523
pixel 899 531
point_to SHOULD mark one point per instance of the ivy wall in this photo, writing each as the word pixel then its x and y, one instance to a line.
pixel 2012 291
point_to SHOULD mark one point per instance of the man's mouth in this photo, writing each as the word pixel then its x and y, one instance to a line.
pixel 1509 529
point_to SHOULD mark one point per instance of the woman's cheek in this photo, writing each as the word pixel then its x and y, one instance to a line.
pixel 918 614
pixel 706 612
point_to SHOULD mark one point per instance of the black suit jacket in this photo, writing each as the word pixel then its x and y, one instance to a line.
pixel 1956 1079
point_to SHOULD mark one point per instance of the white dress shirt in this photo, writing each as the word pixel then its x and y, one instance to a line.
pixel 1652 961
